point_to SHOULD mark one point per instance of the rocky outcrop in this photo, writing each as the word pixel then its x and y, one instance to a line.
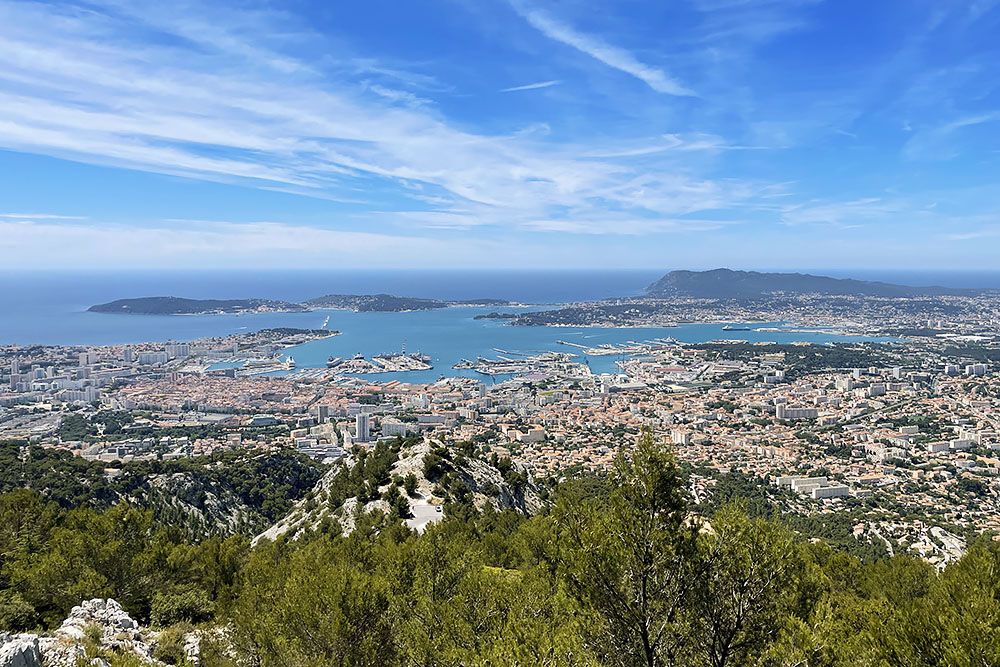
pixel 19 651
pixel 93 630
pixel 485 483
pixel 183 498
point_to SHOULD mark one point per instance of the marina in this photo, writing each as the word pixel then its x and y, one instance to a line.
pixel 454 344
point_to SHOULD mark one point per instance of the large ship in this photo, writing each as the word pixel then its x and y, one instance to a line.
pixel 730 327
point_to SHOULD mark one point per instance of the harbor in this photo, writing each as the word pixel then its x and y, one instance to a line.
pixel 395 362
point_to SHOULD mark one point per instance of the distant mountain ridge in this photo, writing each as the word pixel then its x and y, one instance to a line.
pixel 731 284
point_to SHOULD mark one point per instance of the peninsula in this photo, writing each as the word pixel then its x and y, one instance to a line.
pixel 725 295
pixel 172 305
pixel 380 303
pixel 730 284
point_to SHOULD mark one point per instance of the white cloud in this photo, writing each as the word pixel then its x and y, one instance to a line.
pixel 990 232
pixel 531 86
pixel 612 56
pixel 189 243
pixel 39 216
pixel 86 86
pixel 842 215
pixel 403 97
pixel 940 142
pixel 179 244
pixel 625 226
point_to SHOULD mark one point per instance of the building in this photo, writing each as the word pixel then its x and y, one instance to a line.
pixel 83 395
pixel 322 413
pixel 782 411
pixel 832 491
pixel 394 427
pixel 263 420
pixel 362 427
pixel 536 434
pixel 178 350
pixel 153 358
pixel 975 369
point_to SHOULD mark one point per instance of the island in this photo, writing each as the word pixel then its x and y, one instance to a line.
pixel 377 303
pixel 388 303
pixel 374 303
pixel 172 305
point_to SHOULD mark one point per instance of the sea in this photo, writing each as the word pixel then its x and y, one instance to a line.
pixel 50 307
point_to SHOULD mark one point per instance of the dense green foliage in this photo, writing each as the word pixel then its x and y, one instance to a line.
pixel 618 572
pixel 803 358
pixel 51 558
pixel 105 423
pixel 267 484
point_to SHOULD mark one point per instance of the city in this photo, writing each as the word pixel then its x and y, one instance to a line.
pixel 897 441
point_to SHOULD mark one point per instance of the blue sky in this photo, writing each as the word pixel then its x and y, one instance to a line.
pixel 500 133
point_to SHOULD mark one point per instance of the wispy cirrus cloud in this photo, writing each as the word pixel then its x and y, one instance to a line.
pixel 211 100
pixel 939 142
pixel 411 140
pixel 990 232
pixel 612 56
pixel 841 214
pixel 531 86
pixel 190 243
pixel 40 216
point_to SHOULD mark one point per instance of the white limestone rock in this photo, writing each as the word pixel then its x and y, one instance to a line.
pixel 19 651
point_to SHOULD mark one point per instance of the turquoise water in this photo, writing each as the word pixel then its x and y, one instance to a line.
pixel 49 308
pixel 44 308
pixel 450 335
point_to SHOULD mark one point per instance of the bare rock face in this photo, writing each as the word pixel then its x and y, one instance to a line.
pixel 19 651
pixel 97 623
pixel 115 624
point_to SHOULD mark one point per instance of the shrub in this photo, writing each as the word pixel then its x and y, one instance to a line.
pixel 15 612
pixel 191 605
pixel 169 645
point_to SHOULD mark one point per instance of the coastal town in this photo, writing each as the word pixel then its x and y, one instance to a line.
pixel 896 444
pixel 499 334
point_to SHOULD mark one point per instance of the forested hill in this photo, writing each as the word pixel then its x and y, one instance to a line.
pixel 236 492
pixel 730 284
pixel 375 302
pixel 410 480
pixel 617 571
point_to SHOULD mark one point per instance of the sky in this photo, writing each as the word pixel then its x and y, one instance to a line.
pixel 500 133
